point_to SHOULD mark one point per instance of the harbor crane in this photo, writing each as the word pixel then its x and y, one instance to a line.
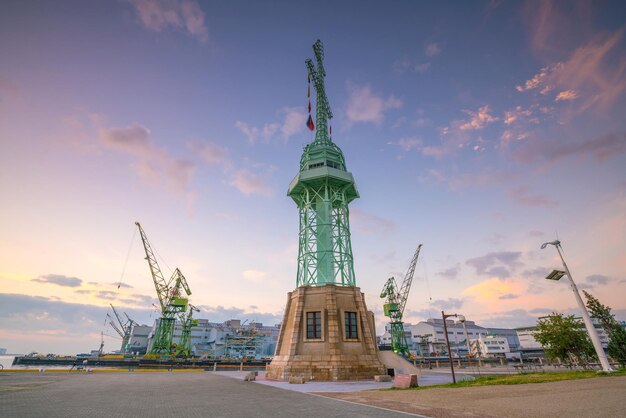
pixel 123 328
pixel 394 307
pixel 173 302
pixel 187 322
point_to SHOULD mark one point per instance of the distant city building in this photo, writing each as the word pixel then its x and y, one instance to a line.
pixel 427 338
pixel 228 339
pixel 527 341
pixel 510 335
pixel 490 346
pixel 138 341
pixel 3 351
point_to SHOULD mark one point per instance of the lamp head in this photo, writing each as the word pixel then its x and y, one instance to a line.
pixel 461 318
pixel 555 243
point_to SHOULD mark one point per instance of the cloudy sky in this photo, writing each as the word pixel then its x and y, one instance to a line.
pixel 479 129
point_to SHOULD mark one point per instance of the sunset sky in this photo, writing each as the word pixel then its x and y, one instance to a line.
pixel 478 129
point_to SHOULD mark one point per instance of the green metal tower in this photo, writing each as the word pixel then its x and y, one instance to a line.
pixel 322 189
pixel 172 302
pixel 394 306
pixel 187 323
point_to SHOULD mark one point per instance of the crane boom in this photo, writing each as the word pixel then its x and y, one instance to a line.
pixel 408 279
pixel 162 286
pixel 119 320
pixel 115 327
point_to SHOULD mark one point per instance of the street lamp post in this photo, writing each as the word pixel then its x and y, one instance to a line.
pixel 593 334
pixel 445 331
pixel 467 342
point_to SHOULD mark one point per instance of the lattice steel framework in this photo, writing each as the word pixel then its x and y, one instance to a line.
pixel 171 299
pixel 322 190
pixel 325 250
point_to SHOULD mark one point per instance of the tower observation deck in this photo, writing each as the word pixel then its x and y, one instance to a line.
pixel 322 189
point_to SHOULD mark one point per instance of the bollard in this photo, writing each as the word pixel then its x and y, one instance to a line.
pixel 215 366
pixel 480 363
pixel 501 362
pixel 437 363
pixel 241 366
pixel 459 362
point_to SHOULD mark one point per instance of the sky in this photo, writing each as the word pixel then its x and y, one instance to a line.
pixel 478 129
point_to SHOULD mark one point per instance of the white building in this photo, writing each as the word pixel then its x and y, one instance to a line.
pixel 138 341
pixel 430 338
pixel 527 340
pixel 490 346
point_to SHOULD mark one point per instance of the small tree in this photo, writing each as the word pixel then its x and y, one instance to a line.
pixel 563 337
pixel 615 332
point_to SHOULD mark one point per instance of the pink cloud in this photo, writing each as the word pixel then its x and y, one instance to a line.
pixel 153 164
pixel 479 119
pixel 250 183
pixel 365 106
pixel 600 148
pixel 566 95
pixel 432 49
pixel 407 144
pixel 294 120
pixel 523 196
pixel 157 15
pixel 368 223
pixel 595 71
pixel 211 153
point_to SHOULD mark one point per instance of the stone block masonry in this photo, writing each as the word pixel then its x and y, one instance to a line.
pixel 332 355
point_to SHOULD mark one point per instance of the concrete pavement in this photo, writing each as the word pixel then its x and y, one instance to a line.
pixel 593 398
pixel 202 394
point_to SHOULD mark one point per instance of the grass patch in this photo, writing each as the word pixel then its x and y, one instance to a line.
pixel 523 378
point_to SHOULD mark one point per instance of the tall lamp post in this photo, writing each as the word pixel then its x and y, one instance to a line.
pixel 467 341
pixel 445 331
pixel 593 334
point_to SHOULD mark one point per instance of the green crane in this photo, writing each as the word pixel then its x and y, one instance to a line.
pixel 187 323
pixel 394 306
pixel 123 328
pixel 173 302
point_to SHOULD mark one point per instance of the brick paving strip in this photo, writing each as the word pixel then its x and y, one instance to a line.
pixel 596 397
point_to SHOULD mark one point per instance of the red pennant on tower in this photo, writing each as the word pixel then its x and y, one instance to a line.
pixel 309 123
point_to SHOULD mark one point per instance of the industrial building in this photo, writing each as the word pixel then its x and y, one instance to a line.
pixel 490 346
pixel 427 338
pixel 230 339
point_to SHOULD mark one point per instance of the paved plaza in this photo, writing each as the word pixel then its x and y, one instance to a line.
pixel 593 398
pixel 199 394
pixel 225 394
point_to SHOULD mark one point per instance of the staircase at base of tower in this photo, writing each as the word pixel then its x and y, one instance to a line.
pixel 327 334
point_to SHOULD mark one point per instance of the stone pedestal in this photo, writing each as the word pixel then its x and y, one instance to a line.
pixel 335 354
